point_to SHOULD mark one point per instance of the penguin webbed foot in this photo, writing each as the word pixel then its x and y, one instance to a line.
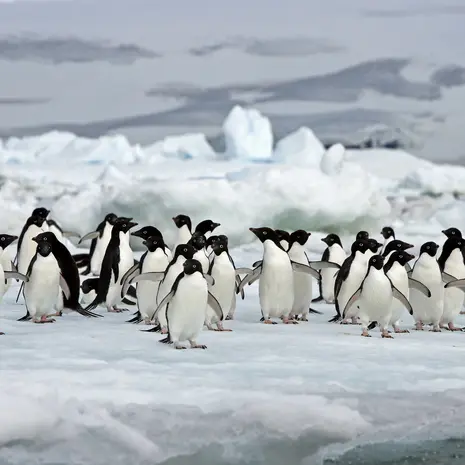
pixel 194 345
pixel 401 331
pixel 386 335
pixel 268 321
pixel 452 327
pixel 44 319
pixel 365 333
pixel 220 327
pixel 434 330
pixel 290 321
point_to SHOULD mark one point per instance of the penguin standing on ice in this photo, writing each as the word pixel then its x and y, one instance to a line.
pixel 186 305
pixel 374 299
pixel 373 247
pixel 118 259
pixel 388 234
pixel 151 231
pixel 199 242
pixel 26 246
pixel 184 225
pixel 395 245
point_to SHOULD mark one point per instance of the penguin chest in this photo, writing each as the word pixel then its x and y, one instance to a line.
pixel 42 289
pixel 376 298
pixel 201 256
pixel 399 278
pixel 225 282
pixel 28 248
pixel 453 297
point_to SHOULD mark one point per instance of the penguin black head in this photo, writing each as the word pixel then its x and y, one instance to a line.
pixel 206 226
pixel 223 238
pixel 198 241
pixel 300 236
pixel 146 232
pixel 376 261
pixel 153 243
pixel 451 244
pixel 88 285
pixel 6 240
pixel 191 266
pixel 41 211
pixel 182 220
pixel 219 247
pixel 123 225
pixel 265 234
pixel 35 220
pixel 47 236
pixel 332 239
pixel 396 245
pixel 184 250
pixel 362 235
pixel 211 240
pixel 359 246
pixel 282 235
pixel 111 218
pixel 430 248
pixel 373 245
pixel 44 248
pixel 402 257
pixel 388 232
pixel 452 232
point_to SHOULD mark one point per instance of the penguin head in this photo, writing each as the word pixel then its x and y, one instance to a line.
pixel 206 226
pixel 88 285
pixel 41 211
pixel 35 220
pixel 48 236
pixel 373 245
pixel 198 241
pixel 402 257
pixel 360 245
pixel 395 246
pixel 429 248
pixel 184 250
pixel 362 235
pixel 191 266
pixel 182 220
pixel 44 248
pixel 223 238
pixel 219 247
pixel 452 232
pixel 111 218
pixel 451 244
pixel 265 234
pixel 153 243
pixel 332 239
pixel 6 240
pixel 300 236
pixel 123 225
pixel 282 235
pixel 146 232
pixel 376 261
pixel 388 232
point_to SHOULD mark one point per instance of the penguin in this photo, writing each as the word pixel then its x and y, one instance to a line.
pixel 206 228
pixel 452 232
pixel 43 283
pixel 395 245
pixel 118 259
pixel 89 289
pixel 26 246
pixel 185 306
pixel 388 234
pixel 374 298
pixel 334 253
pixel 5 259
pixel 349 278
pixel 426 270
pixel 60 234
pixel 302 282
pixel 276 271
pixel 396 272
pixel 69 271
pixel 451 262
pixel 182 253
pixel 8 273
pixel 284 238
pixel 100 239
pixel 208 246
pixel 362 236
pixel 199 242
pixel 149 231
pixel 184 225
pixel 373 247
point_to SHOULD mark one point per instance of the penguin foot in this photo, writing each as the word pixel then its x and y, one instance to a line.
pixel 288 321
pixel 179 347
pixel 164 330
pixel 303 318
pixel 419 327
pixel 401 331
pixel 365 334
pixel 44 319
pixel 269 322
pixel 198 346
pixel 386 335
pixel 122 309
pixel 435 330
pixel 59 313
pixel 452 327
pixel 114 310
pixel 221 328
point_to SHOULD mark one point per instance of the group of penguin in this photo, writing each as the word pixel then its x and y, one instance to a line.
pixel 195 283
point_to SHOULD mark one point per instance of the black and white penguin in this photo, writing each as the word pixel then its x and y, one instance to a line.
pixel 452 232
pixel 362 236
pixel 373 247
pixel 284 238
pixel 186 304
pixel 100 239
pixel 388 234
pixel 349 277
pixel 276 271
pixel 26 246
pixel 89 289
pixel 334 253
pixel 9 273
pixel 118 259
pixel 199 242
pixel 395 245
pixel 43 284
pixel 206 228
pixel 426 270
pixel 184 225
pixel 6 240
pixel 374 299
pixel 151 231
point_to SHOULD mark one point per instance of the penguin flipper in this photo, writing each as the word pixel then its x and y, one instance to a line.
pixel 166 300
pixel 238 283
pixel 352 300
pixel 215 305
pixel 320 265
pixel 137 318
pixel 26 317
pixel 402 299
pixel 312 310
pixel 132 292
pixel 317 299
pixel 16 275
pixel 127 301
pixel 414 284
pixel 88 236
pixel 301 268
pixel 64 287
pixel 243 270
pixel 447 278
pixel 127 278
pixel 408 267
pixel 459 283
pixel 250 278
pixel 13 267
pixel 154 276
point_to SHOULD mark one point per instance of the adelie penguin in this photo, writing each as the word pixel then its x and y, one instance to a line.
pixel 374 298
pixel 199 242
pixel 118 259
pixel 6 240
pixel 7 274
pixel 151 231
pixel 100 239
pixel 184 225
pixel 206 227
pixel 26 246
pixel 276 271
pixel 388 234
pixel 284 238
pixel 373 247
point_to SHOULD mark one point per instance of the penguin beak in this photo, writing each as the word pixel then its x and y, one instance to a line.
pixel 137 234
pixel 324 239
pixel 215 225
pixel 409 246
pixel 444 232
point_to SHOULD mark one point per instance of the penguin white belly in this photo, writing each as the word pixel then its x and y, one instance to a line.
pixel 276 284
pixel 201 256
pixel 88 298
pixel 146 291
pixel 126 260
pixel 186 311
pixel 427 310
pixel 375 301
pixel 165 288
pixel 99 251
pixel 328 275
pixel 399 278
pixel 184 236
pixel 453 297
pixel 357 273
pixel 168 253
pixel 223 290
pixel 5 263
pixel 386 242
pixel 40 292
pixel 28 248
pixel 302 283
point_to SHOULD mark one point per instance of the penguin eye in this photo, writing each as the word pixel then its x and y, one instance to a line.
pixel 194 266
pixel 124 225
pixel 221 246
pixel 265 233
pixel 2 238
pixel 45 239
pixel 185 250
